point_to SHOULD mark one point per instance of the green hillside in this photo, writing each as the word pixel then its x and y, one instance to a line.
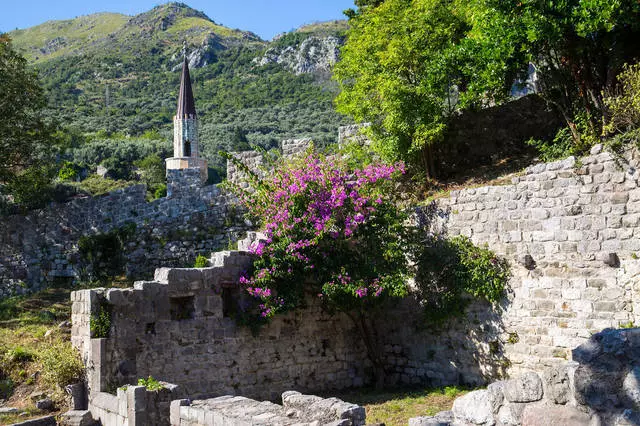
pixel 117 76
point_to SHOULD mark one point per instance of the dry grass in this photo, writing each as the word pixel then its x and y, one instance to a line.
pixel 27 327
pixel 395 408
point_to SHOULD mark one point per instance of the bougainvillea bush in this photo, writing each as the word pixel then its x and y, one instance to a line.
pixel 333 233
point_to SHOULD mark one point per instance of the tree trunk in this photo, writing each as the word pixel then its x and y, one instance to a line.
pixel 370 339
pixel 428 162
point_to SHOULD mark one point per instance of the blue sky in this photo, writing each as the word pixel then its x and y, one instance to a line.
pixel 264 17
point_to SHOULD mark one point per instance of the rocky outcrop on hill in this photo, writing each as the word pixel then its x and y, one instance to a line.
pixel 313 55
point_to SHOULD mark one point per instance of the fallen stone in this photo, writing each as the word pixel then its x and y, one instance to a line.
pixel 474 407
pixel 45 404
pixel 77 418
pixel 65 324
pixel 42 421
pixel 554 415
pixel 526 388
pixel 443 418
pixel 8 410
pixel 495 393
pixel 627 418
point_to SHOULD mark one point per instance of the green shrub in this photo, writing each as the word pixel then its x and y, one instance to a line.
pixel 160 191
pixel 6 388
pixel 96 185
pixel 18 354
pixel 624 106
pixel 100 323
pixel 564 145
pixel 68 171
pixel 151 384
pixel 201 262
pixel 60 365
pixel 32 188
pixel 451 273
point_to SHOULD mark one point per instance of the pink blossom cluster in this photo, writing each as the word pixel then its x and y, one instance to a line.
pixel 306 208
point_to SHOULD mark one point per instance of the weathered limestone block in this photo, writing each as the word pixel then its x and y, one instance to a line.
pixel 510 413
pixel 604 364
pixel 557 384
pixel 526 388
pixel 555 415
pixel 320 409
pixel 76 418
pixel 631 385
pixel 444 418
pixel 474 407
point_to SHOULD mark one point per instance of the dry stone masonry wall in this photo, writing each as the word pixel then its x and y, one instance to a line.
pixel 600 387
pixel 42 246
pixel 571 232
pixel 178 329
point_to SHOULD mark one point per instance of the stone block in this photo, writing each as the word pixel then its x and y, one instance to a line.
pixel 76 418
pixel 526 388
pixel 554 415
pixel 444 418
pixel 474 407
pixel 631 385
pixel 557 385
pixel 510 414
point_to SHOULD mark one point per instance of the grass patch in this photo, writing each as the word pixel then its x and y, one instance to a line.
pixel 96 185
pixel 395 408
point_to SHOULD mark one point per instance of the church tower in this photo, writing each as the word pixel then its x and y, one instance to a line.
pixel 186 164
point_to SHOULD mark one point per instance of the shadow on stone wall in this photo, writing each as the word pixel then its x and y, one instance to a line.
pixel 465 349
pixel 608 376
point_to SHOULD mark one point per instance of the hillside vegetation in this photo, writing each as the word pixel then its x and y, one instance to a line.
pixel 117 77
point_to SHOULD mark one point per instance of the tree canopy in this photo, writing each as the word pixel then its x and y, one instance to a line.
pixel 25 137
pixel 408 66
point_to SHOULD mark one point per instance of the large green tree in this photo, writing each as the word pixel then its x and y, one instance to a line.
pixel 23 131
pixel 25 137
pixel 578 46
pixel 409 65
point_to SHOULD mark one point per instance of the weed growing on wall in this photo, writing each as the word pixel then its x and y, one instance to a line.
pixel 201 262
pixel 151 384
pixel 100 323
pixel 104 252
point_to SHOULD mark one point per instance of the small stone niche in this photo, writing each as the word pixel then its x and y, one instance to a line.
pixel 182 308
pixel 230 295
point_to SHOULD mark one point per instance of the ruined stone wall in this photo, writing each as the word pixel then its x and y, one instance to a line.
pixel 179 329
pixel 570 231
pixel 254 160
pixel 42 246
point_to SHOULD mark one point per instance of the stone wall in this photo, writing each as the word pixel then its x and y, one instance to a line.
pixel 601 386
pixel 296 409
pixel 134 405
pixel 254 160
pixel 570 229
pixel 178 329
pixel 42 246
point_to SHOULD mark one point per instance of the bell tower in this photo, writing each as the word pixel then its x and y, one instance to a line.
pixel 186 161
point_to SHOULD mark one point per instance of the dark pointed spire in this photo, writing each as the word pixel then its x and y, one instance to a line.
pixel 186 104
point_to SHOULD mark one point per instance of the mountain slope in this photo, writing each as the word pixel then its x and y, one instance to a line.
pixel 109 73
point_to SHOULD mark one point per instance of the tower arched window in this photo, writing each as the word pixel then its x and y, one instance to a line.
pixel 187 148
